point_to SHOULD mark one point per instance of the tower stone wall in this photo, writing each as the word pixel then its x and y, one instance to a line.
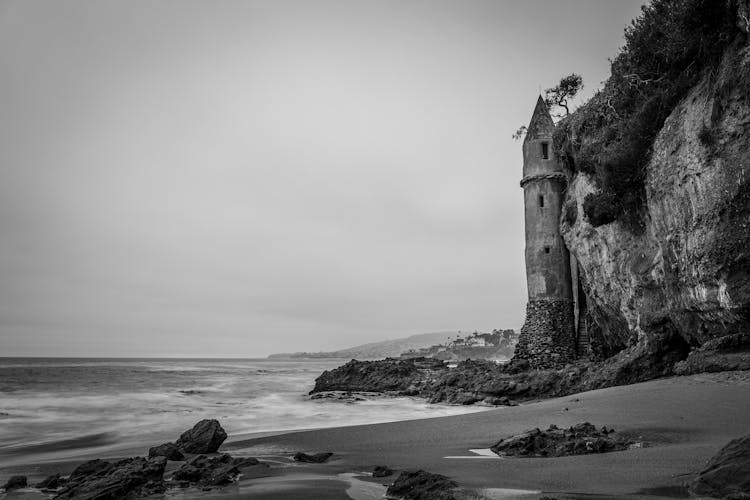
pixel 548 336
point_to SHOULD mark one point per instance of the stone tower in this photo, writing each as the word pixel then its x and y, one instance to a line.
pixel 548 336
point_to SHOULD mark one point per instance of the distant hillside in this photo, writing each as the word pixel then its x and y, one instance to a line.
pixel 376 350
pixel 498 345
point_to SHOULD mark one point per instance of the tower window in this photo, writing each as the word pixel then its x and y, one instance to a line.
pixel 545 151
pixel 541 201
pixel 546 249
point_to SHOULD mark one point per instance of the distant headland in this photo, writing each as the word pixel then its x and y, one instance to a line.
pixel 446 345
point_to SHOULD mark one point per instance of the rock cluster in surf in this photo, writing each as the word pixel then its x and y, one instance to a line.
pixel 140 477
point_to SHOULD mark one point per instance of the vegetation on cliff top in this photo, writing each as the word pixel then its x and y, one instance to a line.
pixel 668 48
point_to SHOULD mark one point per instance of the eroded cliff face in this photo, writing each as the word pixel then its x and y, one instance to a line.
pixel 687 270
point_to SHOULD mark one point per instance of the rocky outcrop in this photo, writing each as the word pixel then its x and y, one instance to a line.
pixel 15 482
pixel 686 270
pixel 315 458
pixel 381 471
pixel 132 477
pixel 728 353
pixel 406 376
pixel 214 471
pixel 168 450
pixel 52 482
pixel 421 485
pixel 141 477
pixel 205 437
pixel 486 382
pixel 727 474
pixel 580 439
pixel 90 468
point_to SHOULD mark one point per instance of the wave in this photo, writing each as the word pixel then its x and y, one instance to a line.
pixel 54 407
pixel 85 441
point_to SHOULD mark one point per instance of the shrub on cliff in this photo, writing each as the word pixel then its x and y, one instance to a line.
pixel 667 49
pixel 601 208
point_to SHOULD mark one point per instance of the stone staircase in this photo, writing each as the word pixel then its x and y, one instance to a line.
pixel 583 344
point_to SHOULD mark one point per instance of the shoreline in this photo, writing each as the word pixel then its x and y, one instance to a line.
pixel 676 416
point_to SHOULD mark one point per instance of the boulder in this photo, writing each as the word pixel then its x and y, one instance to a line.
pixel 727 353
pixel 52 482
pixel 205 437
pixel 316 458
pixel 213 471
pixel 580 439
pixel 421 485
pixel 243 462
pixel 168 450
pixel 381 471
pixel 15 482
pixel 727 474
pixel 90 468
pixel 128 478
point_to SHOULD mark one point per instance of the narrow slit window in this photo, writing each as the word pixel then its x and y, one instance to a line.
pixel 546 249
pixel 545 151
pixel 541 201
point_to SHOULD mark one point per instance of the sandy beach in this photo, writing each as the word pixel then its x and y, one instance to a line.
pixel 682 421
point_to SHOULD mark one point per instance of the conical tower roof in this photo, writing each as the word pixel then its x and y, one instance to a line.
pixel 541 124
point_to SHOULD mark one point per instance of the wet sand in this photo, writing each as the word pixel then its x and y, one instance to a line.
pixel 683 420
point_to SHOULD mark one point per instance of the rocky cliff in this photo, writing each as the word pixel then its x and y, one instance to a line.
pixel 684 269
pixel 656 214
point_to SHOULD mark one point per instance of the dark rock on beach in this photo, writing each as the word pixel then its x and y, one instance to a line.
pixel 243 462
pixel 388 375
pixel 727 353
pixel 140 477
pixel 52 482
pixel 90 468
pixel 205 471
pixel 15 482
pixel 381 471
pixel 131 477
pixel 421 485
pixel 316 458
pixel 580 439
pixel 205 437
pixel 213 471
pixel 727 474
pixel 168 450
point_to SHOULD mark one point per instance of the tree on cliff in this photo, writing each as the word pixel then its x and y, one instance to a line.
pixel 560 94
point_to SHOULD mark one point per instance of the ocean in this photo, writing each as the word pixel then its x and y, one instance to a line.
pixel 54 408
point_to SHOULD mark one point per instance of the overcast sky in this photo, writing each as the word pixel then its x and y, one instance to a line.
pixel 235 178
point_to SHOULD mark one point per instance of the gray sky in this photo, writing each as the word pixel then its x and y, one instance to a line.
pixel 235 178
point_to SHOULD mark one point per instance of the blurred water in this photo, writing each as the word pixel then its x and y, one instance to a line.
pixel 60 408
